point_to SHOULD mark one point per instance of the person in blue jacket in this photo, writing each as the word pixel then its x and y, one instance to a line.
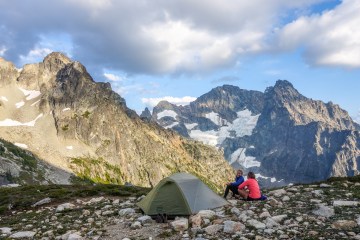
pixel 233 186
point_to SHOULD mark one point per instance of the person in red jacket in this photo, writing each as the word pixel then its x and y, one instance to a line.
pixel 252 191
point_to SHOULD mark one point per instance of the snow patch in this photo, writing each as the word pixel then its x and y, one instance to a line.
pixel 19 104
pixel 207 137
pixel 30 94
pixel 215 118
pixel 69 147
pixel 167 113
pixel 272 179
pixel 172 125
pixel 66 109
pixel 243 125
pixel 240 157
pixel 190 126
pixel 33 104
pixel 21 145
pixel 10 123
pixel 4 99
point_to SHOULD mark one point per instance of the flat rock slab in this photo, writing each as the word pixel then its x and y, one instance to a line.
pixel 341 203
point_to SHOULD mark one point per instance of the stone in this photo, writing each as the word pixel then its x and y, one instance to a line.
pixel 207 214
pixel 344 224
pixel 279 218
pixel 145 220
pixel 107 213
pixel 273 202
pixel 285 199
pixel 235 211
pixel 358 220
pixel 116 202
pixel 324 211
pixel 42 202
pixel 86 212
pixel 277 193
pixel 340 203
pixel 126 212
pixel 318 193
pixel 315 201
pixel 135 225
pixel 5 230
pixel 74 236
pixel 265 214
pixel 256 224
pixel 196 220
pixel 213 229
pixel 64 206
pixel 95 200
pixel 233 227
pixel 313 233
pixel 25 234
pixel 324 185
pixel 271 223
pixel 233 202
pixel 180 224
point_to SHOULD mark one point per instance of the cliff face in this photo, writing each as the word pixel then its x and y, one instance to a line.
pixel 280 134
pixel 79 125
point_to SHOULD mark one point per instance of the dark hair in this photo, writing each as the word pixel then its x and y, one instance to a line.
pixel 239 170
pixel 251 175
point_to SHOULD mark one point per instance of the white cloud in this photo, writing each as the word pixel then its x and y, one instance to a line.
pixel 2 50
pixel 35 55
pixel 331 38
pixel 113 77
pixel 150 37
pixel 152 102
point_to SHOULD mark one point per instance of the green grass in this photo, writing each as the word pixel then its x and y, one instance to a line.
pixel 23 197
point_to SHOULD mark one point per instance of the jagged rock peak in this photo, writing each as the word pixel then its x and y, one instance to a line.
pixel 57 57
pixel 165 105
pixel 146 114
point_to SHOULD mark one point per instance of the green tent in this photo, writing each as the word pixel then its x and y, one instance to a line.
pixel 180 194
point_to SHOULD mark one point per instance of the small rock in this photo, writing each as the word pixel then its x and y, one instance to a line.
pixel 126 212
pixel 358 221
pixel 313 233
pixel 233 202
pixel 86 212
pixel 91 220
pixel 64 206
pixel 285 199
pixel 344 224
pixel 256 224
pixel 279 218
pixel 233 227
pixel 235 211
pixel 277 193
pixel 339 203
pixel 273 202
pixel 180 225
pixel 265 214
pixel 207 214
pixel 324 185
pixel 136 225
pixel 95 200
pixel 107 213
pixel 26 234
pixel 116 202
pixel 145 219
pixel 315 200
pixel 74 236
pixel 318 193
pixel 324 211
pixel 270 223
pixel 196 220
pixel 5 230
pixel 42 202
pixel 212 229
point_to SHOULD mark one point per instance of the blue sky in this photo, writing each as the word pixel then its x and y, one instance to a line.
pixel 179 50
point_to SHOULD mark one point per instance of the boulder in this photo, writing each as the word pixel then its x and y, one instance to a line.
pixel 180 224
pixel 5 230
pixel 42 202
pixel 135 225
pixel 213 229
pixel 324 211
pixel 145 219
pixel 126 212
pixel 64 206
pixel 256 224
pixel 22 235
pixel 233 227
pixel 207 214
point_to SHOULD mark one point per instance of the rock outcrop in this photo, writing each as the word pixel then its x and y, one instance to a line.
pixel 280 134
pixel 63 116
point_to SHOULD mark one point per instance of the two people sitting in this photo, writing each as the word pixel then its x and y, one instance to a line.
pixel 248 190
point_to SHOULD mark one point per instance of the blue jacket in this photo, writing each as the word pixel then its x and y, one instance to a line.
pixel 238 181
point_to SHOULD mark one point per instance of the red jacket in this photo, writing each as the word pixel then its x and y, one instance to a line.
pixel 253 187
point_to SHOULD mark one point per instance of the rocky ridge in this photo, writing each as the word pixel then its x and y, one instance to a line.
pixel 318 211
pixel 64 117
pixel 280 134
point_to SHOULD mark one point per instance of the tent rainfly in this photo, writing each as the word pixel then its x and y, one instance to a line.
pixel 180 194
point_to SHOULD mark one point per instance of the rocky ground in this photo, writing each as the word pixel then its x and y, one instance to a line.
pixel 328 210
